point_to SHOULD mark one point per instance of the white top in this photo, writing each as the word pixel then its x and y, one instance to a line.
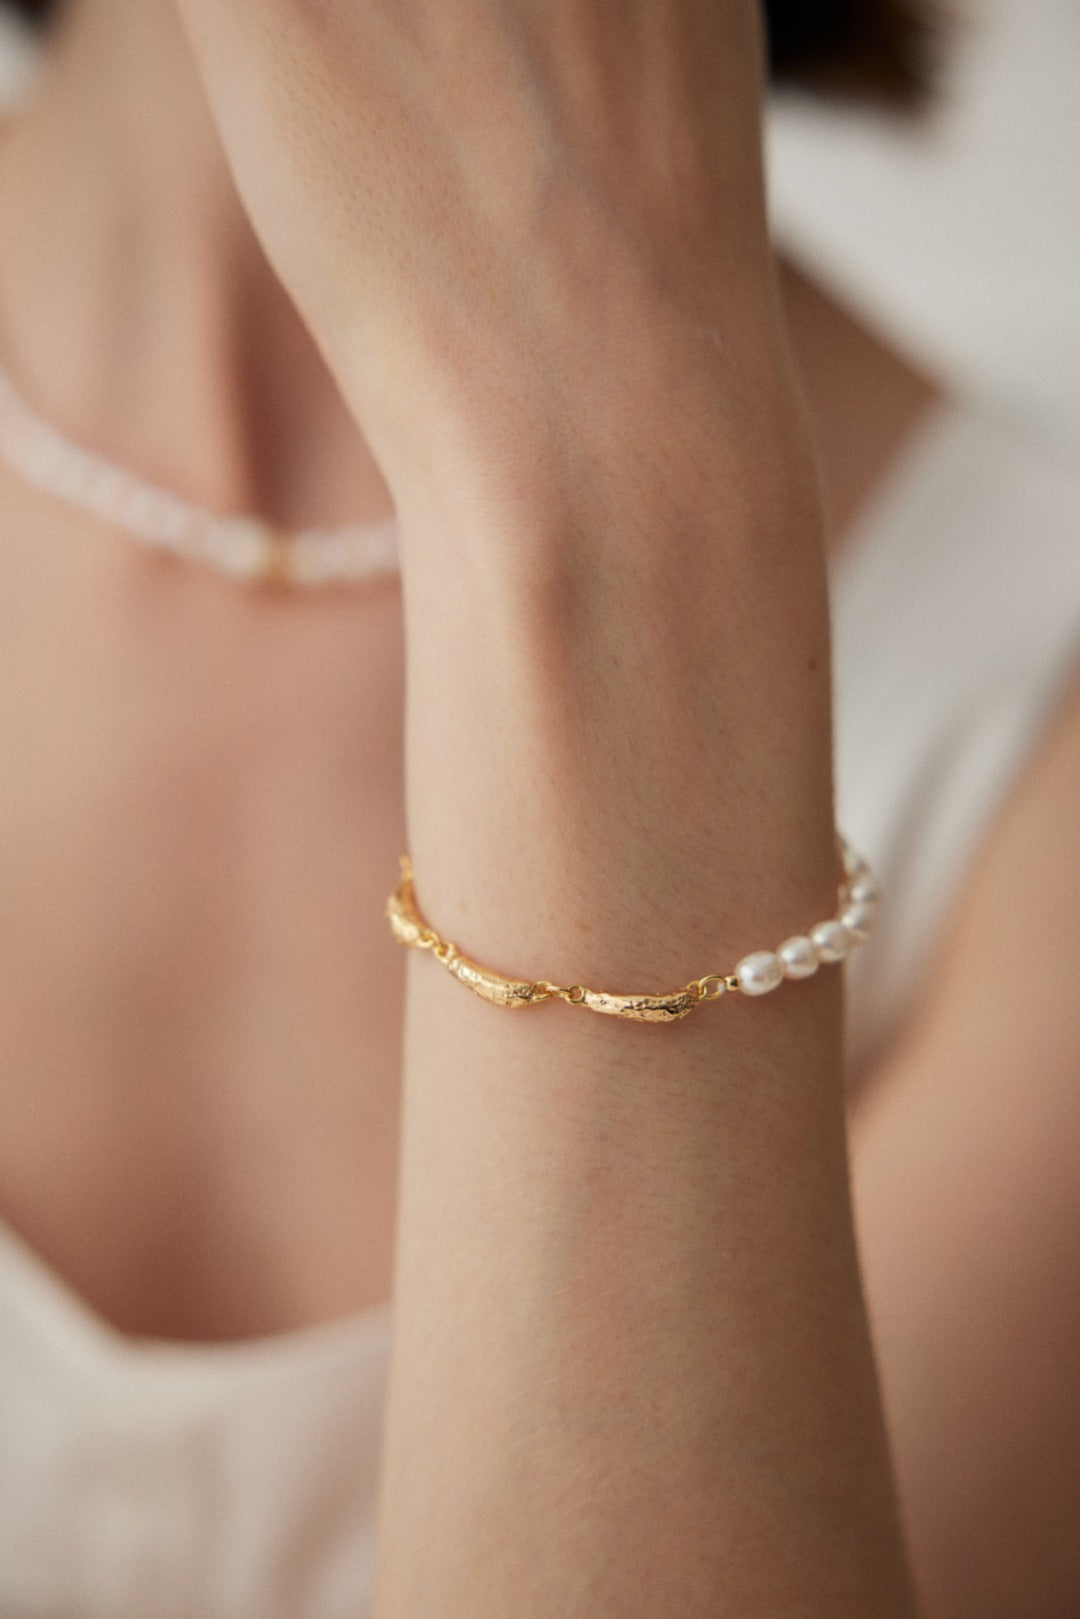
pixel 142 1481
pixel 146 1481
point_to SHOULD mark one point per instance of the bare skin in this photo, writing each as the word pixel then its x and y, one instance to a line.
pixel 239 721
pixel 243 724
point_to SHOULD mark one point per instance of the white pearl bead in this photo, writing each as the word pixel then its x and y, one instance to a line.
pixel 760 972
pixel 832 939
pixel 864 891
pixel 799 956
pixel 855 866
pixel 858 919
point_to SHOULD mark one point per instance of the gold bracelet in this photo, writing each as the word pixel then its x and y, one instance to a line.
pixel 756 974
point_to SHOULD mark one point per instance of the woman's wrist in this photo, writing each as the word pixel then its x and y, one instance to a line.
pixel 621 393
pixel 618 711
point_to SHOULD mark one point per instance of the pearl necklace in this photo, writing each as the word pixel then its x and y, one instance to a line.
pixel 244 548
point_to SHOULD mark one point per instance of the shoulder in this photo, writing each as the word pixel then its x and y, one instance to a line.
pixel 964 1155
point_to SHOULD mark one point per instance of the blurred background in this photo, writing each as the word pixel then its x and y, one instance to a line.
pixel 956 231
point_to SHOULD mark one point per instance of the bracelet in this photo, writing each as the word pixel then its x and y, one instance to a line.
pixel 756 974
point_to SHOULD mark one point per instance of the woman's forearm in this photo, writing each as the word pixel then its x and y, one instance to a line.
pixel 631 1371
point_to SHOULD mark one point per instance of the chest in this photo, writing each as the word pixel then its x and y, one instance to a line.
pixel 200 1006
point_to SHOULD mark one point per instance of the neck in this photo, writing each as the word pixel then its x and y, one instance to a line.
pixel 137 310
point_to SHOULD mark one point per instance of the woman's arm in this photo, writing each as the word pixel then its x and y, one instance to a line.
pixel 967 1202
pixel 631 1370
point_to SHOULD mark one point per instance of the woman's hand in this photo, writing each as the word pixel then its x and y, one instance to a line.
pixel 495 213
pixel 530 239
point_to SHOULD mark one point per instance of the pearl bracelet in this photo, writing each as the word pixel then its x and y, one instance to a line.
pixel 756 974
